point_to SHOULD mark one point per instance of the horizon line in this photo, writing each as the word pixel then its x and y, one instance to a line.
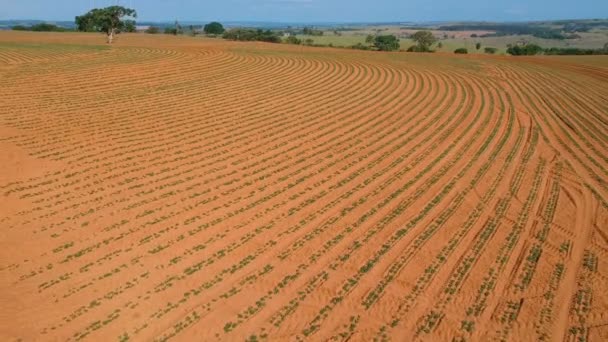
pixel 329 21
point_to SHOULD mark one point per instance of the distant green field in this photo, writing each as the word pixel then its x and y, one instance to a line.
pixel 349 40
pixel 589 40
pixel 343 40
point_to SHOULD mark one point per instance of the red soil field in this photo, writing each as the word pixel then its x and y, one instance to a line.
pixel 172 188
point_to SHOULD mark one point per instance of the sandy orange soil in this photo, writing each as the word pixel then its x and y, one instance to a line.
pixel 171 188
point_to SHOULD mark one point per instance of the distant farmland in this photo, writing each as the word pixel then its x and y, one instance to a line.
pixel 171 188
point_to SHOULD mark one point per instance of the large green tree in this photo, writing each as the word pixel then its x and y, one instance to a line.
pixel 424 40
pixel 110 20
pixel 386 43
pixel 214 28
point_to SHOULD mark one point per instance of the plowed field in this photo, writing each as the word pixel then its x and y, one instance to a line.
pixel 184 189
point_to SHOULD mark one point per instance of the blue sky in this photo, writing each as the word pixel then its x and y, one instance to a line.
pixel 317 10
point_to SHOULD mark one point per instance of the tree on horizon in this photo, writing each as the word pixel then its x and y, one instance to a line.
pixel 109 20
pixel 214 28
pixel 424 40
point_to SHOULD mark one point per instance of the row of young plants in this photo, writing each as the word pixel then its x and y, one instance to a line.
pixel 582 300
pixel 579 108
pixel 357 247
pixel 407 302
pixel 543 326
pixel 505 251
pixel 332 221
pixel 348 330
pixel 428 322
pixel 175 119
pixel 425 236
pixel 528 266
pixel 578 332
pixel 248 280
pixel 585 110
pixel 182 157
pixel 332 242
pixel 68 103
pixel 531 262
pixel 561 117
pixel 352 281
pixel 98 301
pixel 403 139
pixel 521 91
pixel 525 90
pixel 590 261
pixel 290 185
pixel 265 298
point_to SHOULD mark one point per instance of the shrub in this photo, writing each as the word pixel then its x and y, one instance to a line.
pixel 461 51
pixel 490 50
pixel 477 46
pixel 360 46
pixel 268 36
pixel 293 40
pixel 417 48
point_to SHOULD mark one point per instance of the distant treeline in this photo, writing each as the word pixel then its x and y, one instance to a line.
pixel 244 34
pixel 586 26
pixel 511 29
pixel 42 27
pixel 533 49
pixel 575 51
